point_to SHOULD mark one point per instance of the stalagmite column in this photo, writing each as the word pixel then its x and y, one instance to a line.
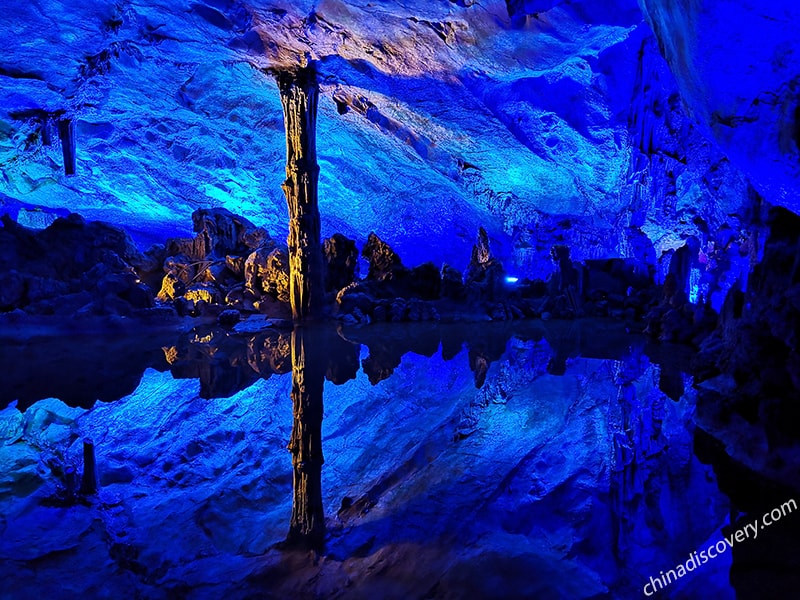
pixel 307 527
pixel 299 92
pixel 89 478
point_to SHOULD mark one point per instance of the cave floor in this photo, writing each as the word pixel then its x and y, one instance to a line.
pixel 514 460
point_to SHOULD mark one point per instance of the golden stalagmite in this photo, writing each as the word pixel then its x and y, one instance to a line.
pixel 299 94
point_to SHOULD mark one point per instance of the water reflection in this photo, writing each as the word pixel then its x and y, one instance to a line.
pixel 307 527
pixel 83 369
pixel 520 440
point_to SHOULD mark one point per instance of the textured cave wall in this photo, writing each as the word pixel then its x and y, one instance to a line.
pixel 544 122
pixel 738 70
pixel 681 185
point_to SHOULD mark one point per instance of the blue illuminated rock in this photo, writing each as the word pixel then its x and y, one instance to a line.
pixel 736 64
pixel 543 122
pixel 535 484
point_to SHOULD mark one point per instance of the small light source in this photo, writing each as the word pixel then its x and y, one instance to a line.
pixel 510 279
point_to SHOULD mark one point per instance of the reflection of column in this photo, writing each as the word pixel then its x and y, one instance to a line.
pixel 307 527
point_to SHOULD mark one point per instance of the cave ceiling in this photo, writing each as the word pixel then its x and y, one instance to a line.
pixel 543 121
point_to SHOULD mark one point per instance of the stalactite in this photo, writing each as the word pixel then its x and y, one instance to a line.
pixel 47 131
pixel 66 133
pixel 299 94
pixel 307 527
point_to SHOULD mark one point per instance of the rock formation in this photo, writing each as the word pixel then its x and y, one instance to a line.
pixel 485 276
pixel 299 96
pixel 70 267
pixel 341 261
pixel 384 263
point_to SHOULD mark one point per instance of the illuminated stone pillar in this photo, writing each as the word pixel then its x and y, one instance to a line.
pixel 307 527
pixel 299 93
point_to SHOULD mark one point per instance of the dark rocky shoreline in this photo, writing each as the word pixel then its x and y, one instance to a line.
pixel 230 269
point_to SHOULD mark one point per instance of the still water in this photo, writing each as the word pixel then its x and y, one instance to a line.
pixel 533 460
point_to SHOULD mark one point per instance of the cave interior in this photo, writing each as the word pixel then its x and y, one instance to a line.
pixel 541 259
